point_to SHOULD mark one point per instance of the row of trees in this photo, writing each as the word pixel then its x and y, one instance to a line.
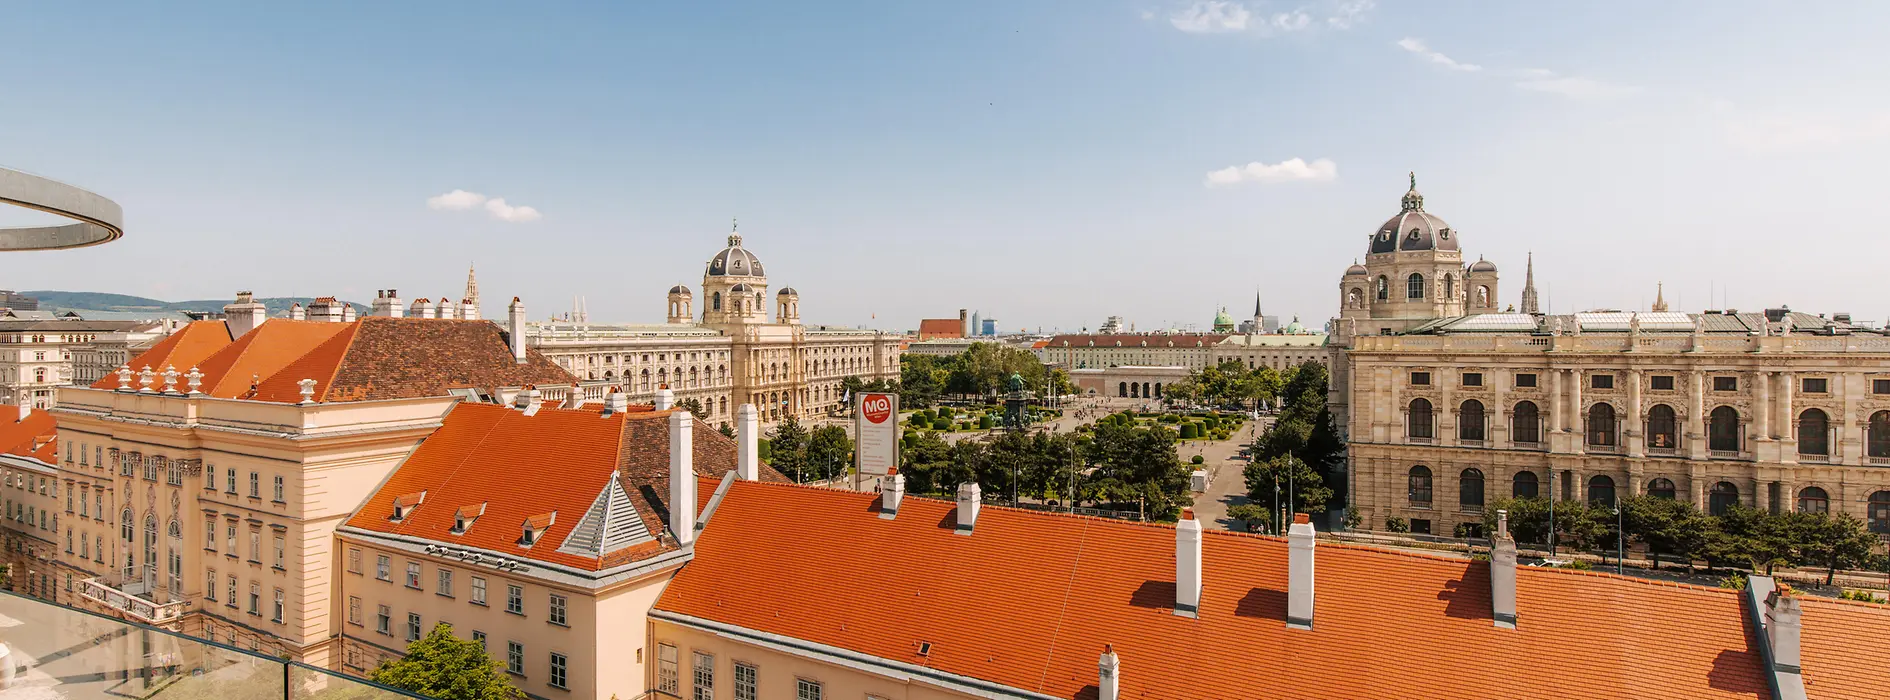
pixel 803 455
pixel 1115 466
pixel 1229 382
pixel 1295 460
pixel 1746 537
pixel 981 371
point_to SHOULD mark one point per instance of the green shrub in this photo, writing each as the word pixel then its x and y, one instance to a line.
pixel 985 422
pixel 942 424
pixel 945 412
pixel 1578 565
pixel 1170 418
pixel 1737 581
pixel 1480 556
pixel 1397 524
pixel 1860 595
pixel 1189 432
pixel 763 449
pixel 1197 460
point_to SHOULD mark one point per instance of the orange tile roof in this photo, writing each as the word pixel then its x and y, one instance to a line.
pixel 1029 600
pixel 930 328
pixel 184 348
pixel 522 467
pixel 35 437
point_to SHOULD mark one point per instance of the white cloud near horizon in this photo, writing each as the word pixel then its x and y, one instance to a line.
pixel 1231 16
pixel 461 200
pixel 1289 170
pixel 1211 16
pixel 1416 46
pixel 1539 80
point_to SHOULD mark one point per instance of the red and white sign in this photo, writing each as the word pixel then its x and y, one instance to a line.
pixel 877 433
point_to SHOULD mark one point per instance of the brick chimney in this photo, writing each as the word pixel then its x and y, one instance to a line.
pixel 892 490
pixel 1299 573
pixel 515 327
pixel 1188 565
pixel 1503 573
pixel 244 315
pixel 682 477
pixel 1108 675
pixel 747 435
pixel 969 502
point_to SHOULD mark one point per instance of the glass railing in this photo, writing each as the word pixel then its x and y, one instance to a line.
pixel 50 652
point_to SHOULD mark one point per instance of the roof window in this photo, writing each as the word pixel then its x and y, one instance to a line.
pixel 404 505
pixel 464 517
pixel 535 527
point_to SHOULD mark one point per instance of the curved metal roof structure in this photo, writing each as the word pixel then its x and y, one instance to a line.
pixel 96 219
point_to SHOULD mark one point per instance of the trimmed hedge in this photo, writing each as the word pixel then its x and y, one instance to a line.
pixel 1189 432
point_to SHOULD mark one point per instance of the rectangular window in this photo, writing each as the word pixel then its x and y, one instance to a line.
pixel 1526 380
pixel 210 477
pixel 1420 526
pixel 255 598
pixel 480 637
pixel 413 574
pixel 1601 381
pixel 1816 385
pixel 210 533
pixel 1725 384
pixel 280 553
pixel 1662 382
pixel 381 565
pixel 413 627
pixel 557 670
pixel 255 545
pixel 1880 386
pixel 278 491
pixel 1473 379
pixel 747 680
pixel 446 582
pixel 354 560
pixel 229 480
pixel 479 590
pixel 354 609
pixel 255 485
pixel 514 599
pixel 85 510
pixel 557 609
pixel 231 589
pixel 668 678
pixel 1420 379
pixel 210 586
pixel 229 538
pixel 806 690
pixel 704 676
pixel 515 658
pixel 384 620
pixel 277 617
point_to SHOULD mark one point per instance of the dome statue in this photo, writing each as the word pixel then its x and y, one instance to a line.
pixel 735 261
pixel 1413 228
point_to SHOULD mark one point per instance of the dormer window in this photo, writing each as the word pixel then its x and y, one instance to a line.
pixel 404 505
pixel 535 528
pixel 464 517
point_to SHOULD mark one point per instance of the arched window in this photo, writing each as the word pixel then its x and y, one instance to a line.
pixel 1814 433
pixel 1661 427
pixel 1352 298
pixel 1420 486
pixel 1878 513
pixel 1525 423
pixel 1661 487
pixel 1601 425
pixel 1724 496
pixel 1384 288
pixel 126 526
pixel 1414 286
pixel 1450 287
pixel 1470 420
pixel 1722 430
pixel 715 301
pixel 1523 485
pixel 1470 489
pixel 1601 490
pixel 1812 499
pixel 1877 442
pixel 1420 419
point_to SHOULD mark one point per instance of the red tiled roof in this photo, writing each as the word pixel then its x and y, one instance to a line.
pixel 183 349
pixel 940 328
pixel 36 437
pixel 1030 599
pixel 523 467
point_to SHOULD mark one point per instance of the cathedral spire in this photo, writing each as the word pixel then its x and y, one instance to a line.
pixel 472 291
pixel 1529 287
pixel 1660 296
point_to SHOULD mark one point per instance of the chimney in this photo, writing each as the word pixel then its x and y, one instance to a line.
pixel 1782 629
pixel 1108 675
pixel 244 315
pixel 575 399
pixel 347 312
pixel 380 304
pixel 682 477
pixel 747 433
pixel 26 407
pixel 1188 565
pixel 515 326
pixel 297 313
pixel 528 400
pixel 446 309
pixel 616 402
pixel 665 399
pixel 468 310
pixel 1299 573
pixel 968 504
pixel 422 308
pixel 892 491
pixel 1503 573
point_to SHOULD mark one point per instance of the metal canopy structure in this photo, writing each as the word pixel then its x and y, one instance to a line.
pixel 97 219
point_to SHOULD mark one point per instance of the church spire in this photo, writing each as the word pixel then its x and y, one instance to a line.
pixel 1660 297
pixel 471 300
pixel 1529 287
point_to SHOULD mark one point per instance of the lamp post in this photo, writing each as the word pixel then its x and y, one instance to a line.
pixel 1551 513
pixel 1620 539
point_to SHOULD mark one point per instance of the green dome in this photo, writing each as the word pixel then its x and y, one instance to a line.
pixel 1294 328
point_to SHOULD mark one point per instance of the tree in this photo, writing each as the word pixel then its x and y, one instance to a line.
pixel 922 460
pixel 790 449
pixel 1256 517
pixel 442 666
pixel 693 406
pixel 829 451
pixel 1289 480
pixel 1836 542
pixel 1749 536
pixel 1666 526
pixel 1137 463
pixel 726 431
pixel 1528 518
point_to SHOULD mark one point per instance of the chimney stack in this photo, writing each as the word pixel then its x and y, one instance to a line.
pixel 682 477
pixel 892 491
pixel 26 406
pixel 297 313
pixel 422 308
pixel 347 312
pixel 968 503
pixel 1783 626
pixel 446 309
pixel 1503 573
pixel 468 309
pixel 1299 573
pixel 528 399
pixel 244 315
pixel 1109 675
pixel 1188 565
pixel 616 402
pixel 575 399
pixel 747 435
pixel 515 326
pixel 665 399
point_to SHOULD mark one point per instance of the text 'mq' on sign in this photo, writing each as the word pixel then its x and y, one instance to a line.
pixel 877 427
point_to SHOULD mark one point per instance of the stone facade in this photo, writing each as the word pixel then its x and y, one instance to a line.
pixel 37 357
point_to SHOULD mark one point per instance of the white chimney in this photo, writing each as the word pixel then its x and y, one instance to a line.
pixel 26 406
pixel 529 400
pixel 422 308
pixel 1783 626
pixel 892 490
pixel 576 398
pixel 968 504
pixel 1503 573
pixel 380 304
pixel 1299 573
pixel 747 434
pixel 244 315
pixel 515 329
pixel 1188 565
pixel 616 402
pixel 1108 675
pixel 347 312
pixel 468 310
pixel 446 309
pixel 665 399
pixel 297 313
pixel 682 477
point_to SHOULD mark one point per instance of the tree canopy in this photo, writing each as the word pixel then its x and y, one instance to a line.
pixel 443 666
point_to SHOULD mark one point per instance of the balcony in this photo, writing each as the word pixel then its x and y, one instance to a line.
pixel 138 600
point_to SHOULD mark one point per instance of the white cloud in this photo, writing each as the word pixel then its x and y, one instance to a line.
pixel 1576 87
pixel 1290 170
pixel 456 200
pixel 1227 16
pixel 1349 13
pixel 1417 46
pixel 461 200
pixel 1211 16
pixel 506 212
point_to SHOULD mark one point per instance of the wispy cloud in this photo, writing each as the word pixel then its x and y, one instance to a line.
pixel 1290 170
pixel 1417 46
pixel 1230 16
pixel 461 200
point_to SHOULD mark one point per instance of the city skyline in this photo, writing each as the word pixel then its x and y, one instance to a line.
pixel 1026 154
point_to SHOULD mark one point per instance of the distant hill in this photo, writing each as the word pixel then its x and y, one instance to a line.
pixel 99 305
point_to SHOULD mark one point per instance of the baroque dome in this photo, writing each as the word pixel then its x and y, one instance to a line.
pixel 1413 228
pixel 1482 265
pixel 735 261
pixel 787 292
pixel 1356 269
pixel 679 289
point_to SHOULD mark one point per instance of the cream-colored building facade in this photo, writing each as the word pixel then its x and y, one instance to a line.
pixel 1449 405
pixel 39 356
pixel 729 352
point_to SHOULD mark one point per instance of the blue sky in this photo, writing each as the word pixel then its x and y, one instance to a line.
pixel 1048 163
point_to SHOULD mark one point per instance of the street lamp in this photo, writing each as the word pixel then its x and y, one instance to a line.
pixel 1620 539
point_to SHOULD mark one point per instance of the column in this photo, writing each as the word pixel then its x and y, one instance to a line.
pixel 1696 483
pixel 1576 420
pixel 1637 478
pixel 1762 381
pixel 1787 421
pixel 1447 417
pixel 1554 424
pixel 1634 420
pixel 1849 442
pixel 1498 414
